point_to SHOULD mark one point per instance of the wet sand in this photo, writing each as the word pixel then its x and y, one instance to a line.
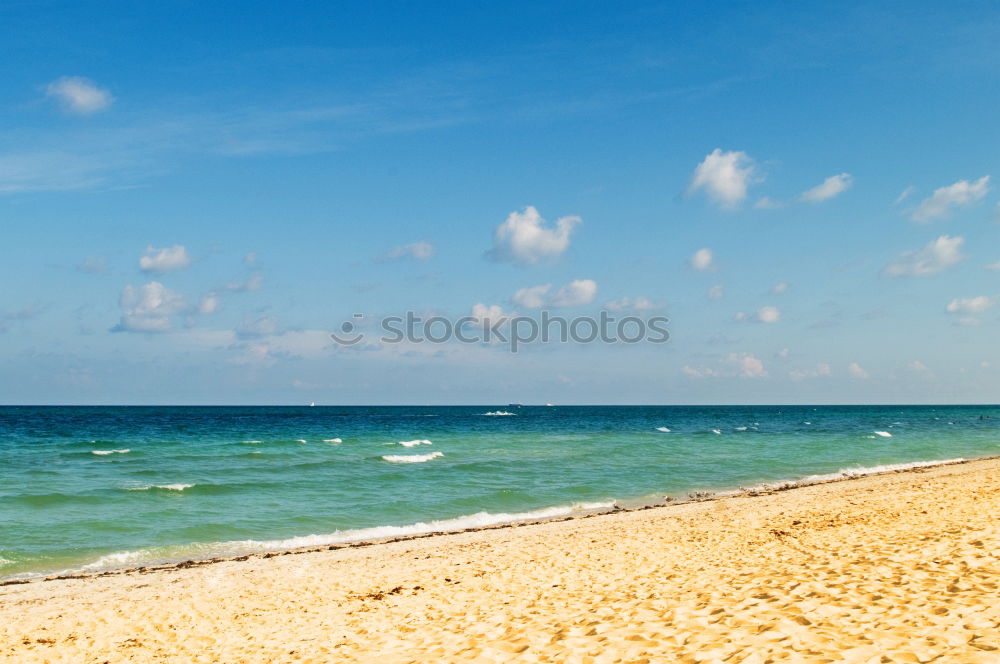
pixel 901 567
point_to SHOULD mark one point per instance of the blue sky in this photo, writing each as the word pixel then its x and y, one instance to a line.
pixel 193 198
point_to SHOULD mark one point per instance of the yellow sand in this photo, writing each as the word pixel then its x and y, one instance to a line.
pixel 894 568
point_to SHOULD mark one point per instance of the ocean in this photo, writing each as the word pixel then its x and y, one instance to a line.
pixel 97 488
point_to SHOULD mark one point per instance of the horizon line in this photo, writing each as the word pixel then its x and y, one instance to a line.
pixel 492 405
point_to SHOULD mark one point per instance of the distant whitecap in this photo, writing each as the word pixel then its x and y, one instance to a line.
pixel 411 458
pixel 414 443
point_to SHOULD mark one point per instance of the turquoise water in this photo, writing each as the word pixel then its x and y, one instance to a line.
pixel 103 487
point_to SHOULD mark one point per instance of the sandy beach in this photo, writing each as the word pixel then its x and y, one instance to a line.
pixel 900 567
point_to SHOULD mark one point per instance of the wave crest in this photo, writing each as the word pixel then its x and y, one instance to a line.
pixel 414 443
pixel 411 458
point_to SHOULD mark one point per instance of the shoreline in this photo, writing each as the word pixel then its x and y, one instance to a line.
pixel 694 496
pixel 901 566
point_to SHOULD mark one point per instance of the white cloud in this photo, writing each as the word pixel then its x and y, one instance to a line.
pixel 25 313
pixel 768 314
pixel 903 195
pixel 533 297
pixel 254 354
pixel 857 371
pixel 251 283
pixel 830 187
pixel 780 287
pixel 725 177
pixel 148 308
pixel 821 371
pixel 716 292
pixel 994 266
pixel 264 326
pixel 250 258
pixel 301 343
pixel 79 95
pixel 159 261
pixel 260 344
pixel 703 260
pixel 943 200
pixel 574 294
pixel 699 372
pixel 768 203
pixel 784 352
pixel 492 313
pixel 421 251
pixel 742 365
pixel 971 305
pixel 747 365
pixel 524 238
pixel 209 304
pixel 939 255
pixel 632 304
pixel 917 366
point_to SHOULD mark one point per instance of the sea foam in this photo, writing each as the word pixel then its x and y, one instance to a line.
pixel 165 487
pixel 477 520
pixel 884 434
pixel 332 440
pixel 483 519
pixel 106 452
pixel 843 473
pixel 117 559
pixel 411 458
pixel 663 429
pixel 499 413
pixel 861 471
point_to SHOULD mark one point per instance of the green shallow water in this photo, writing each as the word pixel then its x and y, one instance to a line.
pixel 216 480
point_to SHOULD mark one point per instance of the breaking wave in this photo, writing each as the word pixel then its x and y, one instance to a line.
pixel 414 443
pixel 411 458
